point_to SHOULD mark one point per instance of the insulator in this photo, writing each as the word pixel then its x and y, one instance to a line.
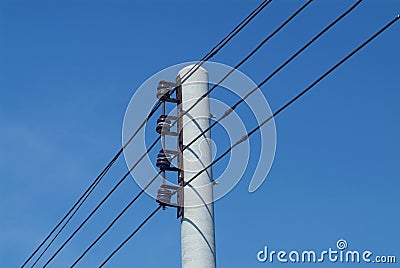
pixel 163 124
pixel 164 196
pixel 163 89
pixel 163 162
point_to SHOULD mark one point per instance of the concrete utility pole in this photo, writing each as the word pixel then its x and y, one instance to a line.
pixel 197 225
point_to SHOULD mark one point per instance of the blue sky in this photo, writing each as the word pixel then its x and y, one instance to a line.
pixel 69 68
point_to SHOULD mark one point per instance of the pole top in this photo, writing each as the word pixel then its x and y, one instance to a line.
pixel 196 73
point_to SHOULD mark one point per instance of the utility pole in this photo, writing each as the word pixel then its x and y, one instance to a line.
pixel 197 222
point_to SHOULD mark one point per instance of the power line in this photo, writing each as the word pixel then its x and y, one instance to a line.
pixel 115 220
pixel 245 137
pixel 315 38
pixel 62 228
pixel 154 178
pixel 99 205
pixel 230 110
pixel 298 96
pixel 263 5
pixel 74 207
pixel 208 56
pixel 89 190
pixel 130 236
pixel 297 12
pixel 220 45
pixel 225 40
pixel 233 107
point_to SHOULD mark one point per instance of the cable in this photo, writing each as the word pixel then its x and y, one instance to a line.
pixel 115 220
pixel 131 235
pixel 298 96
pixel 233 107
pixel 213 51
pixel 82 198
pixel 245 137
pixel 225 40
pixel 62 228
pixel 208 56
pixel 99 205
pixel 85 195
pixel 297 12
pixel 237 66
pixel 226 114
pixel 315 38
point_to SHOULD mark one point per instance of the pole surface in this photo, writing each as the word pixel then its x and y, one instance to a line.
pixel 197 225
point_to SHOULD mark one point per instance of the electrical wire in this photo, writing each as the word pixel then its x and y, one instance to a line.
pixel 99 204
pixel 115 220
pixel 89 190
pixel 245 137
pixel 154 178
pixel 280 27
pixel 224 41
pixel 73 209
pixel 296 54
pixel 61 229
pixel 298 96
pixel 130 236
pixel 226 114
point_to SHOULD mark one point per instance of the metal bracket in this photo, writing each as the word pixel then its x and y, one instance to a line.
pixel 164 195
pixel 164 91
